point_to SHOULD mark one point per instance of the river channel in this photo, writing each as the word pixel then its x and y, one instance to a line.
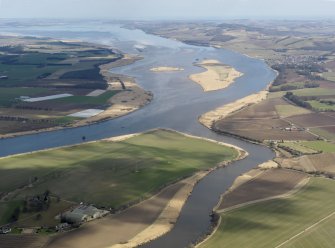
pixel 177 104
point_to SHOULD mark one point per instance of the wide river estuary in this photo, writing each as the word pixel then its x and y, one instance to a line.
pixel 177 104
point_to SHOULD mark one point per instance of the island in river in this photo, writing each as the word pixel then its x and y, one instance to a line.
pixel 217 75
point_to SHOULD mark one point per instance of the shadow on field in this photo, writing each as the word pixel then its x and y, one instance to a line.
pixel 238 224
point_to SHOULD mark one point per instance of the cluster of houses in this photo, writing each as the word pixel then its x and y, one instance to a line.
pixel 293 128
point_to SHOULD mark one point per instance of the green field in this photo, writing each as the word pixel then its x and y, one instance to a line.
pixel 94 100
pixel 7 209
pixel 323 133
pixel 322 146
pixel 290 110
pixel 314 92
pixel 329 76
pixel 305 92
pixel 8 96
pixel 271 223
pixel 112 173
pixel 318 106
pixel 42 68
pixel 40 58
pixel 298 85
pixel 298 146
pixel 47 217
pixel 24 74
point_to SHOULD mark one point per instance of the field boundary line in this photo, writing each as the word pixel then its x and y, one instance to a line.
pixel 305 230
pixel 297 188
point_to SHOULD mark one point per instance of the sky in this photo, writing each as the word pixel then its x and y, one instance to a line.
pixel 168 9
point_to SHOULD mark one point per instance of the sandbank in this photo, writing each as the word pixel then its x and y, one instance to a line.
pixel 209 118
pixel 166 69
pixel 217 75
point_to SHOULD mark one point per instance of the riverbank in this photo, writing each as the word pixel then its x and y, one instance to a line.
pixel 168 217
pixel 217 75
pixel 209 118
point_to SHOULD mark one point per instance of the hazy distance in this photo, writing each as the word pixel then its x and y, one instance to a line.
pixel 168 9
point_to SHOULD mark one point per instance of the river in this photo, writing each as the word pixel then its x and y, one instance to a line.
pixel 177 104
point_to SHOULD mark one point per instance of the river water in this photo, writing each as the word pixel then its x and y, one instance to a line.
pixel 177 104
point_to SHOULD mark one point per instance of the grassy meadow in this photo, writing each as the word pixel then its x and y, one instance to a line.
pixel 112 174
pixel 271 223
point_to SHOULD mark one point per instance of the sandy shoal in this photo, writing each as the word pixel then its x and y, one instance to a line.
pixel 209 118
pixel 166 69
pixel 217 75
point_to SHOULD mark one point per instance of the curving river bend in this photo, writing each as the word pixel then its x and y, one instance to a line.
pixel 177 104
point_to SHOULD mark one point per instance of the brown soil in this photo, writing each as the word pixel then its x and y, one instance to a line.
pixel 270 183
pixel 261 122
pixel 320 163
pixel 313 120
pixel 26 241
pixel 330 129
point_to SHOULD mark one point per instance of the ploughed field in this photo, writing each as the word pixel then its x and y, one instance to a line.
pixel 277 118
pixel 31 241
pixel 323 163
pixel 107 173
pixel 305 219
pixel 270 183
pixel 263 122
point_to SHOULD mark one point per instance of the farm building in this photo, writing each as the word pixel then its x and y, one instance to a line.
pixel 5 229
pixel 83 213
